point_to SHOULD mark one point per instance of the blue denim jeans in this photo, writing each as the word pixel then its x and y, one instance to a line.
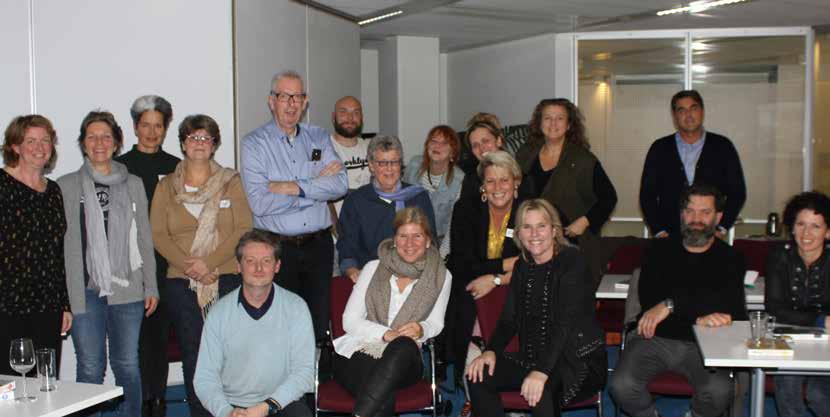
pixel 186 316
pixel 790 390
pixel 121 325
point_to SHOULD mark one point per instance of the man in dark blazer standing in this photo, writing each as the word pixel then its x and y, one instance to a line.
pixel 690 156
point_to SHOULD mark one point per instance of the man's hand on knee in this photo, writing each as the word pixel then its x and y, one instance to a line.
pixel 650 319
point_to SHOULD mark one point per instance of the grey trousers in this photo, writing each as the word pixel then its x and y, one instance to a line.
pixel 643 359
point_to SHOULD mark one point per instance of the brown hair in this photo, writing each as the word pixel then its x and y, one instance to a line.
pixel 576 122
pixel 106 118
pixel 16 132
pixel 455 149
pixel 413 215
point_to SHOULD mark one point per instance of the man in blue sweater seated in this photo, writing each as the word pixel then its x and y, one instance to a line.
pixel 257 353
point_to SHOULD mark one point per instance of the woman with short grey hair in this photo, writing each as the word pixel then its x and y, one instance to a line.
pixel 367 213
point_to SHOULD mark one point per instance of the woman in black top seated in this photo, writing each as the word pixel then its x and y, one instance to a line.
pixel 550 306
pixel 798 292
pixel 483 252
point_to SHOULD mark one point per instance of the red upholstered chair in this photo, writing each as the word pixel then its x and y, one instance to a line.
pixel 755 251
pixel 611 313
pixel 489 309
pixel 331 397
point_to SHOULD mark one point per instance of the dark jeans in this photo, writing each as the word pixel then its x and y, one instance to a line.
pixel 789 390
pixel 43 328
pixel 508 376
pixel 643 359
pixel 184 312
pixel 373 382
pixel 152 348
pixel 306 271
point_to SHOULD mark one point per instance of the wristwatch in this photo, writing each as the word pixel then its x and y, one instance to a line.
pixel 274 406
pixel 669 303
pixel 497 280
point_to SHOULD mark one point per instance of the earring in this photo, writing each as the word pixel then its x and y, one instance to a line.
pixel 516 192
pixel 483 197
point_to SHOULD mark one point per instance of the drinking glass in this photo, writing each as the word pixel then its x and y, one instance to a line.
pixel 22 359
pixel 46 368
pixel 757 326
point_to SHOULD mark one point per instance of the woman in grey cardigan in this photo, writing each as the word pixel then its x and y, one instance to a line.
pixel 110 264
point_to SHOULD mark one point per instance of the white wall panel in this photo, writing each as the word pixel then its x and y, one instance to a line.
pixel 105 53
pixel 14 67
pixel 333 64
pixel 505 79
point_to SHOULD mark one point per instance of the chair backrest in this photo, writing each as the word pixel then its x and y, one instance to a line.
pixel 755 251
pixel 627 257
pixel 489 309
pixel 341 289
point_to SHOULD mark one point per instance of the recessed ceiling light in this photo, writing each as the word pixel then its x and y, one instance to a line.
pixel 381 17
pixel 698 6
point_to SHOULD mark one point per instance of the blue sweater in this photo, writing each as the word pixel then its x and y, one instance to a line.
pixel 243 361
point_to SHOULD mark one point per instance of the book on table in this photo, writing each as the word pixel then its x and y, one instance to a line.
pixel 622 285
pixel 776 348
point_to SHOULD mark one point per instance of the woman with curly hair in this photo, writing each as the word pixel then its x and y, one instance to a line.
pixel 560 167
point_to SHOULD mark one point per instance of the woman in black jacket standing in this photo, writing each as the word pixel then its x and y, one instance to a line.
pixel 550 306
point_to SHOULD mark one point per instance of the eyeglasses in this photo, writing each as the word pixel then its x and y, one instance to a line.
pixel 289 98
pixel 387 164
pixel 199 138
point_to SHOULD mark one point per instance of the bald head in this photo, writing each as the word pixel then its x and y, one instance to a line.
pixel 348 117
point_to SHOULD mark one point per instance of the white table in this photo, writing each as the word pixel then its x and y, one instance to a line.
pixel 608 291
pixel 726 347
pixel 68 398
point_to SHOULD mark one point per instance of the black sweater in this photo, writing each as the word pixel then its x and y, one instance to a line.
pixel 699 283
pixel 664 180
pixel 795 293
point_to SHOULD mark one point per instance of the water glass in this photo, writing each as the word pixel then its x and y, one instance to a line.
pixel 757 325
pixel 46 365
pixel 771 327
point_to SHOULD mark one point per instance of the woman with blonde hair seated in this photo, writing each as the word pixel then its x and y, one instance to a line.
pixel 397 303
pixel 550 306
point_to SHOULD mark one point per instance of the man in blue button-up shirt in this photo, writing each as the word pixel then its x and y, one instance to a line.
pixel 290 172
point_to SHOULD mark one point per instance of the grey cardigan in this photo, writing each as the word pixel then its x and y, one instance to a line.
pixel 142 281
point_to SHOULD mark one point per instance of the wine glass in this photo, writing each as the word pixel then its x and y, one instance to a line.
pixel 22 359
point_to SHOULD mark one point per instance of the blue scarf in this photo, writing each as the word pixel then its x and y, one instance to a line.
pixel 401 195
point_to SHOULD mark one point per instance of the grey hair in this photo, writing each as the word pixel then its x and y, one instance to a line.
pixel 384 144
pixel 499 159
pixel 151 102
pixel 287 74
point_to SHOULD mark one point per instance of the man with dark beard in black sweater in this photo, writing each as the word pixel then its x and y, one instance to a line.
pixel 696 280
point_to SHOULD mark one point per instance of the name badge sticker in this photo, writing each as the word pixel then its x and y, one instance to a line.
pixel 224 203
pixel 509 233
pixel 161 176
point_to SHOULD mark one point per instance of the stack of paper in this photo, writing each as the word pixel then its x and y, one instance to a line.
pixel 775 348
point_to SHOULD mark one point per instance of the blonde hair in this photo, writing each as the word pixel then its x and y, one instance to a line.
pixel 500 159
pixel 546 208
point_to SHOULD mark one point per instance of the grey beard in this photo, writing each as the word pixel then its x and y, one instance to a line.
pixel 697 238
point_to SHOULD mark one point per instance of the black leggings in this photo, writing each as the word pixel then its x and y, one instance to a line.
pixel 485 398
pixel 373 382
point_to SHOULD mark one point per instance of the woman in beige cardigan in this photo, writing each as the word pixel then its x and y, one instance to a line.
pixel 198 214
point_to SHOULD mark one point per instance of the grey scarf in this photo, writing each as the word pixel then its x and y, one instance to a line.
pixel 429 274
pixel 110 255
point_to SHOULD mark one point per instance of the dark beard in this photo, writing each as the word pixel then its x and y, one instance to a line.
pixel 346 133
pixel 695 238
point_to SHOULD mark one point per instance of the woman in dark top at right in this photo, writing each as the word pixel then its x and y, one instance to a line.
pixel 550 306
pixel 798 292
pixel 557 161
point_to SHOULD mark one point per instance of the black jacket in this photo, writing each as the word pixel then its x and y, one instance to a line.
pixel 575 347
pixel 794 293
pixel 664 180
pixel 468 261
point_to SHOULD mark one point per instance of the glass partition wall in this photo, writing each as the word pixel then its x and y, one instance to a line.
pixel 753 87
